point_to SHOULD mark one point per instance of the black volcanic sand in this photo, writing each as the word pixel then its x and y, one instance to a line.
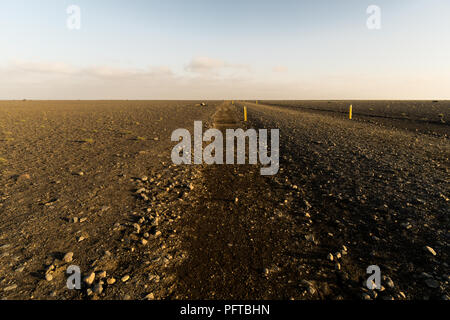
pixel 96 179
pixel 84 160
pixel 362 192
pixel 431 117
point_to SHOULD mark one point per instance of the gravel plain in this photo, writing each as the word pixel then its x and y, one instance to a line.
pixel 91 183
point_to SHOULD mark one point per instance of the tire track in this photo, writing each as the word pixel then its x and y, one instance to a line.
pixel 234 240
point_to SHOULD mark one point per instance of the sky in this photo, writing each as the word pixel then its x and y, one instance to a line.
pixel 234 49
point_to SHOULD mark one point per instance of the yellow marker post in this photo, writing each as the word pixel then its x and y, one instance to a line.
pixel 350 114
pixel 256 102
pixel 245 114
pixel 232 102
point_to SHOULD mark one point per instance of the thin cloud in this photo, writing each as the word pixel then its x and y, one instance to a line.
pixel 60 68
pixel 208 65
pixel 42 67
pixel 202 64
pixel 114 72
pixel 280 69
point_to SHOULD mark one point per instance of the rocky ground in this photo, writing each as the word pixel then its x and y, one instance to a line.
pixel 380 191
pixel 92 184
pixel 69 183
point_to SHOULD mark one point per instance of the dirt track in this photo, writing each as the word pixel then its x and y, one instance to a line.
pixel 226 232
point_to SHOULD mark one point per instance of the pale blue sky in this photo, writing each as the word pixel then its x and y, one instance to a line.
pixel 174 49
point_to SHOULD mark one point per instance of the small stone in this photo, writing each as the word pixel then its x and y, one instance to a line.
pixel 266 272
pixel 141 190
pixel 307 204
pixel 402 294
pixel 102 275
pixel 144 242
pixel 311 290
pixel 430 250
pixel 10 288
pixel 89 279
pixel 50 268
pixel 144 178
pixel 337 255
pixel 365 296
pixel 158 234
pixel 150 296
pixel 338 266
pixel 125 278
pixel 83 220
pixel 23 177
pixel 389 283
pixel 50 203
pixel 48 277
pixel 20 269
pixel 330 257
pixel 111 281
pixel 137 227
pixel 68 257
pixel 74 220
pixel 309 287
pixel 146 235
pixel 83 236
pixel 432 283
pixel 406 225
pixel 98 288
